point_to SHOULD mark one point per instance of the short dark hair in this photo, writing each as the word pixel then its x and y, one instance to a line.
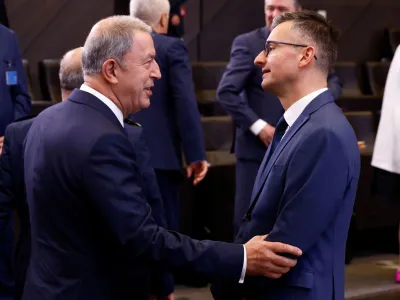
pixel 314 28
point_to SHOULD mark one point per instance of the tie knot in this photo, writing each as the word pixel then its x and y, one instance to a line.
pixel 282 125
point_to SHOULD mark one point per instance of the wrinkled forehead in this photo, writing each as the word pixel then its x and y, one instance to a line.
pixel 143 45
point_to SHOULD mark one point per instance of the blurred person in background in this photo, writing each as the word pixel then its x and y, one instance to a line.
pixel 386 155
pixel 172 122
pixel 177 14
pixel 12 183
pixel 15 103
pixel 255 112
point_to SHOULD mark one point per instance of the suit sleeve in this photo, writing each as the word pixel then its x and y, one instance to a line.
pixel 187 114
pixel 316 181
pixel 111 183
pixel 21 98
pixel 7 194
pixel 233 82
pixel 334 85
pixel 162 283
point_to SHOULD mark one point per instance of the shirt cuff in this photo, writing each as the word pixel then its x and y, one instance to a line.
pixel 241 280
pixel 257 126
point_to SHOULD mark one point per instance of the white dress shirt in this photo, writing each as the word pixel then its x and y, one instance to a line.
pixel 291 114
pixel 386 155
pixel 111 105
pixel 294 111
pixel 117 112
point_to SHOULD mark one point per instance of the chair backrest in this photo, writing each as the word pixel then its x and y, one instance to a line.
pixel 377 73
pixel 363 125
pixel 28 75
pixel 394 38
pixel 348 75
pixel 49 79
pixel 218 132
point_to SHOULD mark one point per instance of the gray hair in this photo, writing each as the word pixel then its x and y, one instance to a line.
pixel 296 3
pixel 71 74
pixel 149 11
pixel 110 38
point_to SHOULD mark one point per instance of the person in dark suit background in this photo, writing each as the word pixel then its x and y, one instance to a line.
pixel 89 243
pixel 12 184
pixel 306 185
pixel 254 111
pixel 172 122
pixel 14 103
pixel 177 13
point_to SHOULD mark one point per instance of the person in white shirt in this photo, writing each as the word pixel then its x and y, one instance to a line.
pixel 386 155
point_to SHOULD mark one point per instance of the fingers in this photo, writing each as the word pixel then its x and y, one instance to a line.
pixel 281 261
pixel 284 248
pixel 189 171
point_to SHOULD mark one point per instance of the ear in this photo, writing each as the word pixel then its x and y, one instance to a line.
pixel 307 56
pixel 110 70
pixel 164 20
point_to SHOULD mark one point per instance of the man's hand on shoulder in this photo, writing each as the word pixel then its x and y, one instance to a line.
pixel 263 258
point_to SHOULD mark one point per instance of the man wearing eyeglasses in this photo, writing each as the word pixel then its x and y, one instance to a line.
pixel 305 189
pixel 255 111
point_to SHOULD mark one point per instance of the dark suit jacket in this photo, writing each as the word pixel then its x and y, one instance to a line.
pixel 89 243
pixel 304 196
pixel 241 94
pixel 12 196
pixel 15 102
pixel 172 121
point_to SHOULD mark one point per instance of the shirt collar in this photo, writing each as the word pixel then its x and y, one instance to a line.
pixel 294 111
pixel 111 105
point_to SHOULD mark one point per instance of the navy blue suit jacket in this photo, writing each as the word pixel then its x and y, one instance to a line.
pixel 91 224
pixel 15 102
pixel 241 94
pixel 172 122
pixel 12 196
pixel 304 196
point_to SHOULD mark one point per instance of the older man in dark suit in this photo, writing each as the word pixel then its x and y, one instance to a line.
pixel 90 242
pixel 255 111
pixel 12 184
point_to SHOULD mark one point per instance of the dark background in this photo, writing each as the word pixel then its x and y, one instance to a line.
pixel 48 28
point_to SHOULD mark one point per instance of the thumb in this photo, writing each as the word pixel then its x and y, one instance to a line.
pixel 189 171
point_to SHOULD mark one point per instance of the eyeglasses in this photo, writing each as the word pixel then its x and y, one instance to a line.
pixel 268 46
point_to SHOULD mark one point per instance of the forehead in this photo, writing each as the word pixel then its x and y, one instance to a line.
pixel 288 4
pixel 143 45
pixel 282 32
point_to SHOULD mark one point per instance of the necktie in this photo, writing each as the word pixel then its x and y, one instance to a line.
pixel 279 133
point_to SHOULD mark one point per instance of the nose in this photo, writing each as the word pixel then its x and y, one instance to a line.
pixel 156 73
pixel 276 12
pixel 260 60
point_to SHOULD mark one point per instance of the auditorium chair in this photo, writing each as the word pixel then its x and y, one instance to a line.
pixel 28 74
pixel 394 38
pixel 363 124
pixel 49 80
pixel 377 73
pixel 349 77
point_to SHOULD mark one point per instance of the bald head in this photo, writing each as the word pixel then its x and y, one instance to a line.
pixel 71 74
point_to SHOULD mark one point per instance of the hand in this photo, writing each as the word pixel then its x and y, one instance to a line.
pixel 175 20
pixel 1 144
pixel 263 258
pixel 198 169
pixel 266 134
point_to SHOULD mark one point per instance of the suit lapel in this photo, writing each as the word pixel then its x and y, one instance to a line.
pixel 267 164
